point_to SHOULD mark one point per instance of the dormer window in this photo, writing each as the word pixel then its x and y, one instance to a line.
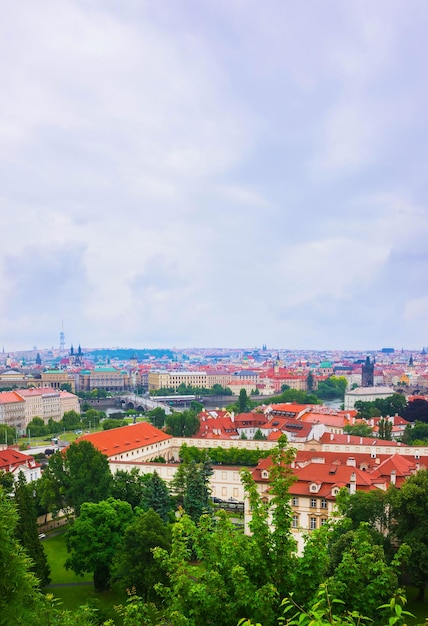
pixel 335 491
pixel 265 474
pixel 314 488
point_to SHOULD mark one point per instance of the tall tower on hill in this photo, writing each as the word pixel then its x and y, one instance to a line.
pixel 367 373
pixel 62 337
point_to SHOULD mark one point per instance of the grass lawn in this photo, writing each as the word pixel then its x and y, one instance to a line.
pixel 77 591
pixel 419 609
pixel 56 552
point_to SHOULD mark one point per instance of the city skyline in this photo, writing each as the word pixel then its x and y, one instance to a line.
pixel 214 174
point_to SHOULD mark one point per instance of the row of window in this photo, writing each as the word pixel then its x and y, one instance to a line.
pixel 313 522
pixel 313 504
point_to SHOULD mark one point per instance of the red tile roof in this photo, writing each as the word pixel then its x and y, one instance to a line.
pixel 11 459
pixel 126 438
pixel 7 397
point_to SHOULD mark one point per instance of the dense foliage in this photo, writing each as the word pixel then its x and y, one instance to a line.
pixel 190 565
pixel 332 387
pixel 382 407
pixel 222 456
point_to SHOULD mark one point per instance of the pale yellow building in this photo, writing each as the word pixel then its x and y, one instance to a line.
pixel 172 380
pixel 55 378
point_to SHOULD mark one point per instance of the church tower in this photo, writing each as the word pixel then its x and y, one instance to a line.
pixel 367 373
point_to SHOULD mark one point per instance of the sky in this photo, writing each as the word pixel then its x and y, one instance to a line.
pixel 214 173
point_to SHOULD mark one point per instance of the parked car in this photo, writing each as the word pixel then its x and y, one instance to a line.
pixel 42 536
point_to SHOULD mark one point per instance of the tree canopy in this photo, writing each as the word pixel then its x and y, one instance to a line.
pixel 93 538
pixel 134 565
pixel 80 474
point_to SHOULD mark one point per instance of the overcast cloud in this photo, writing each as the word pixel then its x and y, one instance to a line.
pixel 214 173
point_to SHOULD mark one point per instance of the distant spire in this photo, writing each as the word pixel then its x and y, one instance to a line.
pixel 62 336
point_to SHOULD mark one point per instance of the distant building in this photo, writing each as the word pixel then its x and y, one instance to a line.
pixel 366 394
pixel 367 373
pixel 19 407
pixel 108 378
pixel 15 462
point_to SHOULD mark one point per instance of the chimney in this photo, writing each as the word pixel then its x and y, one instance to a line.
pixel 393 477
pixel 352 483
pixel 232 416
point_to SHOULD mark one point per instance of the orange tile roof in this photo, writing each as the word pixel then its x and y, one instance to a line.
pixel 126 438
pixel 10 459
pixel 338 421
pixel 7 397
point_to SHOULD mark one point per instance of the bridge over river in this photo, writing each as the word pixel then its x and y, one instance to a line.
pixel 146 403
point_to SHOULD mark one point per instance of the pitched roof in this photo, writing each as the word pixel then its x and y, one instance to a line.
pixel 119 440
pixel 10 459
pixel 7 397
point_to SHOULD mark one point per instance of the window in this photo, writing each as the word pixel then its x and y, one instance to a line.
pixel 295 501
pixel 295 521
pixel 323 521
pixel 312 523
pixel 323 503
pixel 313 503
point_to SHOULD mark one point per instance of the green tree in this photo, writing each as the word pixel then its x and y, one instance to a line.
pixel 128 486
pixel 258 435
pixel 310 382
pixel 271 519
pixel 385 429
pixel 218 390
pixel 409 510
pixel 80 474
pixel 326 610
pixel 416 433
pixel 370 507
pixel 362 578
pixel 224 582
pixel 312 566
pixel 70 420
pixel 37 427
pixel 361 429
pixel 243 401
pixel 134 565
pixel 66 387
pixel 27 531
pixel 333 387
pixel 366 410
pixel 91 418
pixel 6 481
pixel 20 599
pixel 197 495
pixel 7 434
pixel 156 496
pixel 110 424
pixel 178 484
pixel 183 424
pixel 94 536
pixel 157 417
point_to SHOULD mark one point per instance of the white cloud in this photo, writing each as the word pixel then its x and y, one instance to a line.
pixel 215 173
